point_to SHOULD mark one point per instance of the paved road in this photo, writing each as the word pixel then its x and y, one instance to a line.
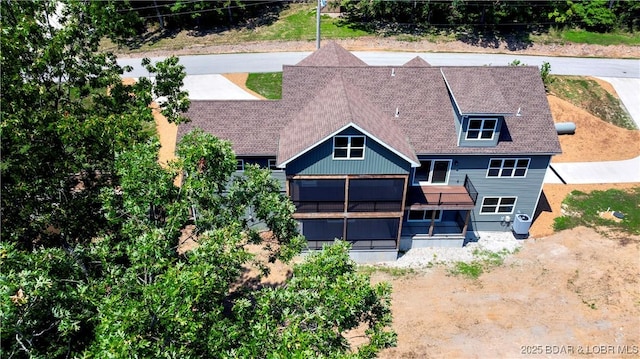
pixel 271 62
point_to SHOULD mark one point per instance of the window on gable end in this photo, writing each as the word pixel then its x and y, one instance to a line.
pixel 348 147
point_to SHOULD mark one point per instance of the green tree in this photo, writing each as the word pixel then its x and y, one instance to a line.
pixel 160 303
pixel 60 126
pixel 91 221
pixel 65 113
pixel 545 74
pixel 301 321
pixel 592 15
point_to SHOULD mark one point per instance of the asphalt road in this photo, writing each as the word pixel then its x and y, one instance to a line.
pixel 272 62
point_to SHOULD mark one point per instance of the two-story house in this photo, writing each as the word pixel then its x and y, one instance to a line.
pixel 394 157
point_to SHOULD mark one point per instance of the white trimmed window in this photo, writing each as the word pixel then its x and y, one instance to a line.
pixel 508 167
pixel 423 215
pixel 432 172
pixel 348 147
pixel 272 164
pixel 493 205
pixel 239 165
pixel 481 128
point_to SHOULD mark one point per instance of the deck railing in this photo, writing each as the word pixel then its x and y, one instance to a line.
pixel 464 195
pixel 319 206
pixel 473 193
pixel 375 206
pixel 352 206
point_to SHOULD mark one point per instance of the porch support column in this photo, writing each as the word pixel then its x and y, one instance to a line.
pixel 404 203
pixel 345 206
pixel 466 223
pixel 433 220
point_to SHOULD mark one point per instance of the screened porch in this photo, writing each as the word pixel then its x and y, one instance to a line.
pixel 362 233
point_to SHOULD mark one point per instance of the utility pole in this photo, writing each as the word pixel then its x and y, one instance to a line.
pixel 321 4
pixel 318 24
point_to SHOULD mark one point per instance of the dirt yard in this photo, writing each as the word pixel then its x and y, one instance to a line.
pixel 569 293
pixel 199 45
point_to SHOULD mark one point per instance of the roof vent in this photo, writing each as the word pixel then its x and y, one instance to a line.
pixel 397 112
pixel 393 71
pixel 518 113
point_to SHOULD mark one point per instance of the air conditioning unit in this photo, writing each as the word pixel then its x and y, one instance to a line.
pixel 521 225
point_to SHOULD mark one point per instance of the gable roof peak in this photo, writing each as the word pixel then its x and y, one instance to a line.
pixel 337 106
pixel 417 62
pixel 331 54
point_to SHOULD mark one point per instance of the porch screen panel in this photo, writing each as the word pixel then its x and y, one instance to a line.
pixel 376 195
pixel 321 231
pixel 369 233
pixel 317 195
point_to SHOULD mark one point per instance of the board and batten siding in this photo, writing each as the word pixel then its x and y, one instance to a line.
pixel 526 189
pixel 377 160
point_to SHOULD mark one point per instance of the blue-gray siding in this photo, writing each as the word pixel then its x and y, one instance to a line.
pixel 377 160
pixel 526 189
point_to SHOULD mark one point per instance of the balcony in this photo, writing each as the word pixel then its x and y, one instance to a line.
pixel 442 197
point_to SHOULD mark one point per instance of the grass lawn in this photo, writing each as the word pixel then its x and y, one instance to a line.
pixel 267 84
pixel 586 37
pixel 584 209
pixel 483 262
pixel 298 22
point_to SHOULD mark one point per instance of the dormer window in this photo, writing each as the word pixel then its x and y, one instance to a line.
pixel 481 128
pixel 348 147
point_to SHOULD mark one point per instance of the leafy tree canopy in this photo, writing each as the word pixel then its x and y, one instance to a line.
pixel 91 221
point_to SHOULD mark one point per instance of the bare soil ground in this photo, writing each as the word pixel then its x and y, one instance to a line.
pixel 575 293
pixel 565 293
pixel 391 44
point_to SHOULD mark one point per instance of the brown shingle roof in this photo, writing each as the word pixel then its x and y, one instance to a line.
pixel 334 107
pixel 331 54
pixel 475 90
pixel 426 121
pixel 417 62
pixel 252 126
pixel 419 93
